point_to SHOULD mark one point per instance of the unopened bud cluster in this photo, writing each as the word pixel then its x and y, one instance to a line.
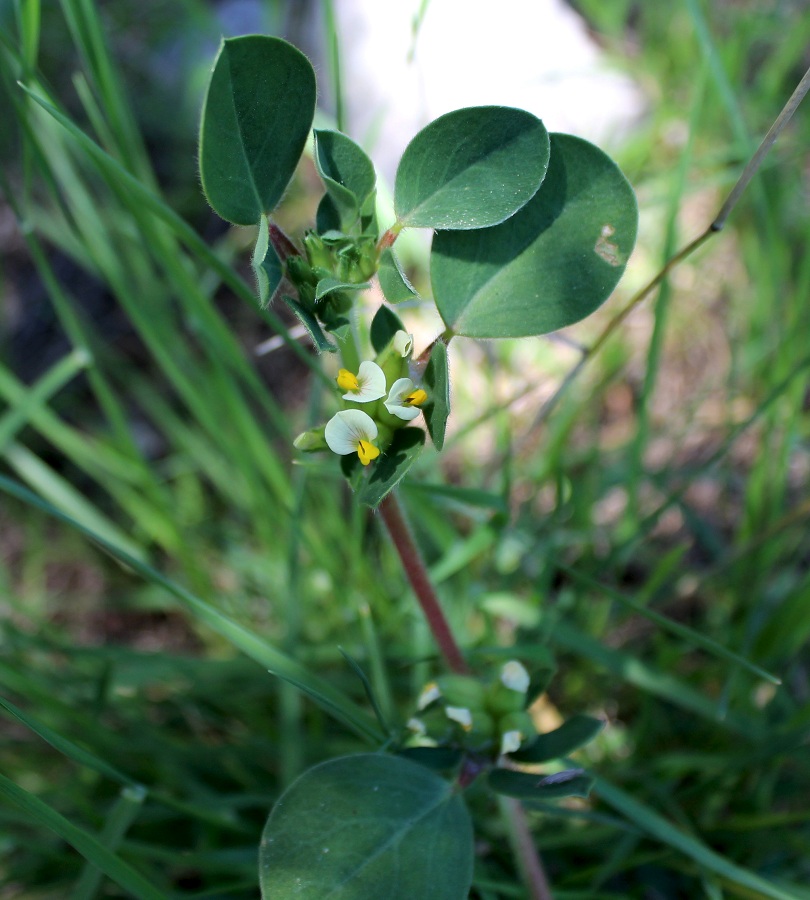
pixel 465 711
pixel 347 260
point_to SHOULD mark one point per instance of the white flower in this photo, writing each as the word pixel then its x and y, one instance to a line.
pixel 367 385
pixel 430 692
pixel 403 343
pixel 459 714
pixel 511 741
pixel 404 399
pixel 352 431
pixel 515 677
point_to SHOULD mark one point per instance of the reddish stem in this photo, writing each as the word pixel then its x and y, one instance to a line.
pixel 283 246
pixel 416 571
pixel 387 240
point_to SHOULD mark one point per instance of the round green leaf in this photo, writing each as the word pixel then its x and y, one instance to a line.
pixel 364 827
pixel 256 119
pixel 471 168
pixel 551 264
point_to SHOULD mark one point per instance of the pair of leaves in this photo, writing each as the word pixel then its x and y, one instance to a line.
pixel 570 736
pixel 552 263
pixel 534 233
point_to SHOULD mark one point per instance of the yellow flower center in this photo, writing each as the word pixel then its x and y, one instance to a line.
pixel 367 451
pixel 416 398
pixel 347 380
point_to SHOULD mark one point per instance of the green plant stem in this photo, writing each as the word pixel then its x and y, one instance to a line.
pixel 717 225
pixel 529 862
pixel 417 573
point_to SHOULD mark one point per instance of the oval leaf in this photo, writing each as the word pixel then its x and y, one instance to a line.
pixel 393 281
pixel 266 264
pixel 256 119
pixel 437 381
pixel 471 168
pixel 348 175
pixel 312 325
pixel 364 827
pixel 570 736
pixel 391 467
pixel 550 265
pixel 384 326
pixel 572 783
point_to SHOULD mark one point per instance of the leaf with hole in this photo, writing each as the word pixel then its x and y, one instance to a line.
pixel 365 827
pixel 256 119
pixel 471 168
pixel 551 264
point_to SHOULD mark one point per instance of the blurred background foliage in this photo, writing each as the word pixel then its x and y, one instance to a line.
pixel 672 479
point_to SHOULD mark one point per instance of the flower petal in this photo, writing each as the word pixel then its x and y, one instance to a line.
pixel 511 741
pixel 515 677
pixel 460 714
pixel 370 383
pixel 403 343
pixel 346 429
pixel 395 401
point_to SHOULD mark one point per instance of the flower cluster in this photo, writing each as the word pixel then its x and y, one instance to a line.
pixel 378 399
pixel 488 718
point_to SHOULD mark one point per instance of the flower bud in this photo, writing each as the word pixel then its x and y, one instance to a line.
pixel 317 252
pixel 483 733
pixel 461 690
pixel 311 441
pixel 515 730
pixel 508 693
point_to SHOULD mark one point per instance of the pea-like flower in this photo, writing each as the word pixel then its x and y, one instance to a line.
pixel 404 399
pixel 511 741
pixel 364 387
pixel 461 715
pixel 515 677
pixel 403 343
pixel 352 431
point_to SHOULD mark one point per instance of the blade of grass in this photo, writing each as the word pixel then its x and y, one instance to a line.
pixel 35 398
pixel 661 829
pixel 82 841
pixel 667 624
pixel 636 672
pixel 243 639
pixel 124 812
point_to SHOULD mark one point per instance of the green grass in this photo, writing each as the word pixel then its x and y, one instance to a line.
pixel 175 592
